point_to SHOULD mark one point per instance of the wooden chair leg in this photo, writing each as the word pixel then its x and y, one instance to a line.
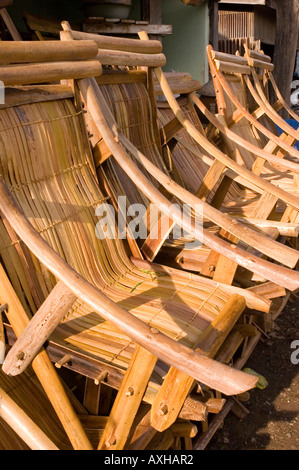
pixel 23 425
pixel 44 369
pixel 176 385
pixel 128 400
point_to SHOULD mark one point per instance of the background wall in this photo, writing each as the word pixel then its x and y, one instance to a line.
pixel 57 9
pixel 185 49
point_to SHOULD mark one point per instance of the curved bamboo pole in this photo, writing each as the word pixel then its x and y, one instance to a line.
pixel 251 237
pixel 289 199
pixel 96 104
pixel 215 375
pixel 269 157
pixel 20 422
pixel 254 54
pixel 261 99
pixel 281 99
pixel 245 113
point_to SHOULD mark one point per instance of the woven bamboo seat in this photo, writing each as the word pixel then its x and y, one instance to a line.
pixel 59 198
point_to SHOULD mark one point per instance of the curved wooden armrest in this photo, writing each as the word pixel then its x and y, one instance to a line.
pixel 208 371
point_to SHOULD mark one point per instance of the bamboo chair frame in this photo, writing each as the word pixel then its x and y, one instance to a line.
pixel 70 286
pixel 234 111
pixel 223 67
pixel 175 190
pixel 261 75
pixel 100 113
pixel 183 151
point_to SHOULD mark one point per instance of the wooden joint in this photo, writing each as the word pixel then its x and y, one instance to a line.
pixel 130 392
pixel 101 378
pixel 59 364
pixel 111 441
pixel 3 307
pixel 163 410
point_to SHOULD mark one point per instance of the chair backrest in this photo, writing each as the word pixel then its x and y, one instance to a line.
pixel 228 74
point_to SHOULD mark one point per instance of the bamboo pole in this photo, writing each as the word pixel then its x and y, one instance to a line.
pixel 108 57
pixel 259 64
pixel 119 44
pixel 48 51
pixel 26 429
pixel 27 74
pixel 228 67
pixel 231 58
pixel 257 55
pixel 44 369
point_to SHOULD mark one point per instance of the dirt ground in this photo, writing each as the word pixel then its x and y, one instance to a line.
pixel 273 419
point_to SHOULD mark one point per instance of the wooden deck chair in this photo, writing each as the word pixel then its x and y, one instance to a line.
pixel 97 106
pixel 228 74
pixel 122 90
pixel 240 99
pixel 105 314
pixel 239 201
pixel 258 91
